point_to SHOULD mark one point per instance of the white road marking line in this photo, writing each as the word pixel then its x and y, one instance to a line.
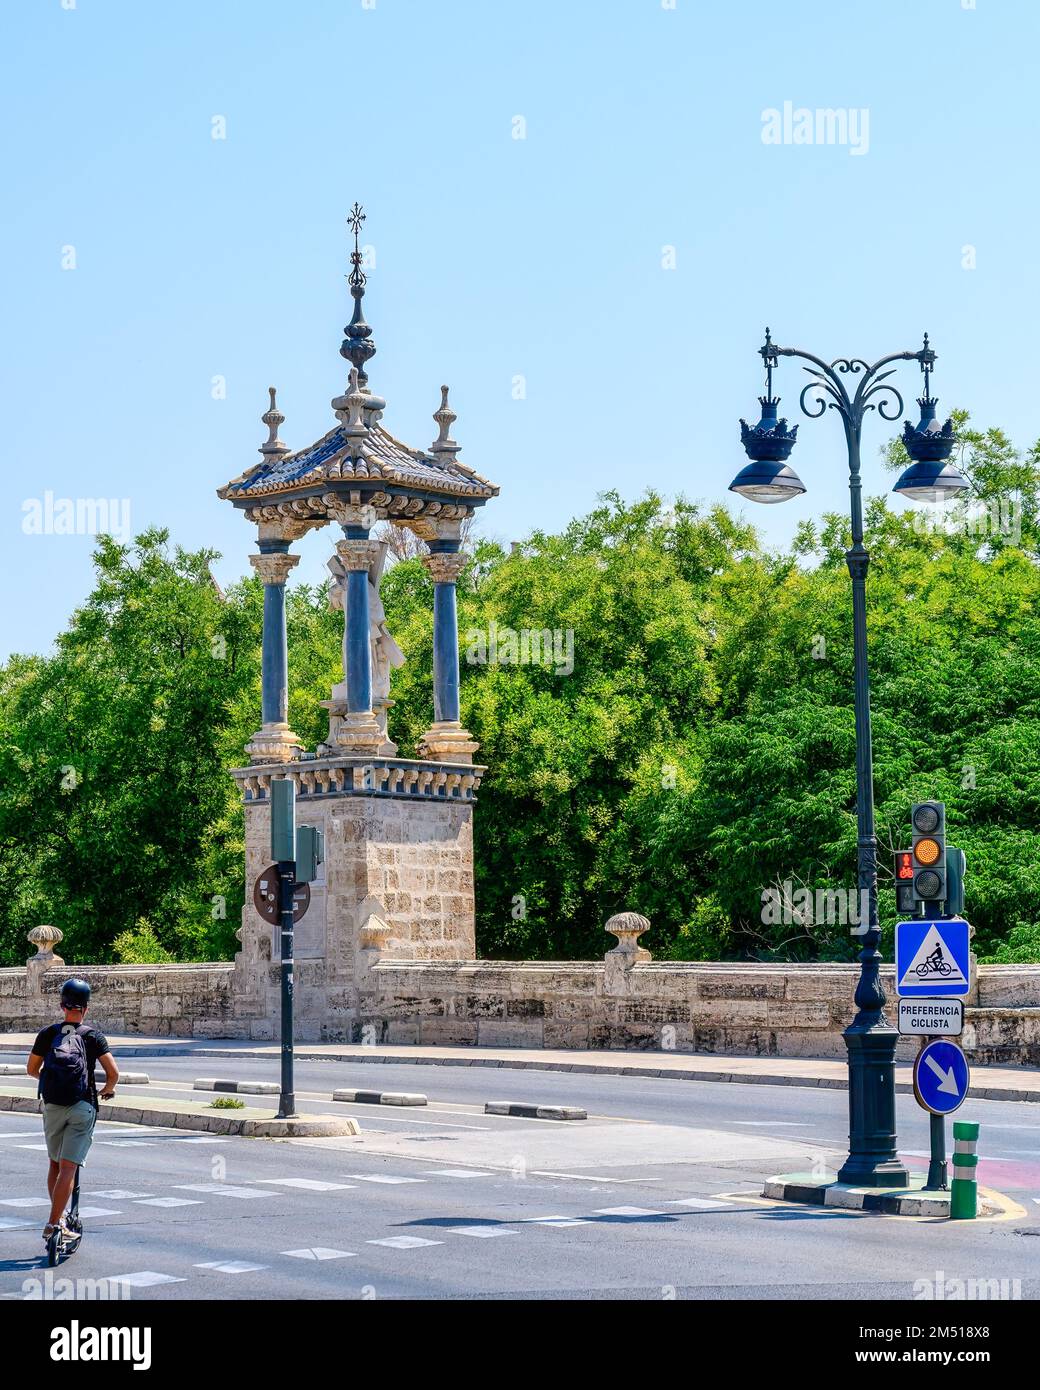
pixel 98 1211
pixel 378 1177
pixel 167 1202
pixel 118 1194
pixel 481 1231
pixel 776 1124
pixel 144 1279
pixel 10 1223
pixel 199 1139
pixel 20 1134
pixel 321 1252
pixel 404 1242
pixel 25 1202
pixel 555 1221
pixel 221 1189
pixel 579 1177
pixel 457 1173
pixel 707 1203
pixel 42 1147
pixel 127 1143
pixel 628 1211
pixel 310 1184
pixel 231 1266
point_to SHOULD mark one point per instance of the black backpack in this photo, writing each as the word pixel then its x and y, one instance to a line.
pixel 66 1078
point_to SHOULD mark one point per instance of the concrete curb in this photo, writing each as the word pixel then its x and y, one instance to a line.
pixel 126 1078
pixel 250 1088
pixel 890 1201
pixel 379 1097
pixel 369 1056
pixel 535 1112
pixel 254 1124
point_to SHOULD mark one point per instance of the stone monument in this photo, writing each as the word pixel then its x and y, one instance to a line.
pixel 398 871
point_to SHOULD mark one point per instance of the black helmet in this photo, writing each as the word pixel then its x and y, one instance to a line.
pixel 75 994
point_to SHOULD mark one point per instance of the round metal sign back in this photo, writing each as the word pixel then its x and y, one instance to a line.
pixel 265 896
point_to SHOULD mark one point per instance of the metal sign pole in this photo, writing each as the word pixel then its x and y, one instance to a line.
pixel 286 888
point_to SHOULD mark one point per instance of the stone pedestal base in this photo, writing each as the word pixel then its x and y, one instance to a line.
pixel 397 881
pixel 447 742
pixel 274 743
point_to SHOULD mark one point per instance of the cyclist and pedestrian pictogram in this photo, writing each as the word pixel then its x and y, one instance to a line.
pixel 932 958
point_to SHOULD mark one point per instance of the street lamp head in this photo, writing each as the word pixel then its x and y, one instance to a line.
pixel 930 477
pixel 768 445
pixel 767 480
pixel 930 480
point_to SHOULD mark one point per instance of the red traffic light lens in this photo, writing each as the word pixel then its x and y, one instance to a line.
pixel 904 865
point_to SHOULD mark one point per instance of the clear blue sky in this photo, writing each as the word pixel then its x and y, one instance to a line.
pixel 198 258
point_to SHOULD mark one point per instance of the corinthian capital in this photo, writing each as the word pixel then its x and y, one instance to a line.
pixel 274 569
pixel 358 554
pixel 445 566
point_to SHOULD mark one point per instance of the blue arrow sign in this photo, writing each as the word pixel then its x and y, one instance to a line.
pixel 932 958
pixel 941 1077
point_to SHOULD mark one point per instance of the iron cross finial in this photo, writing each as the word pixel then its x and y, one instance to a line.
pixel 355 221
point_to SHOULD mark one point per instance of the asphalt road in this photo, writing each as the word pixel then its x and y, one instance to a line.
pixel 655 1196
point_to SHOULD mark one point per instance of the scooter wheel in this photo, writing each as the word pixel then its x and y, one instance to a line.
pixel 52 1250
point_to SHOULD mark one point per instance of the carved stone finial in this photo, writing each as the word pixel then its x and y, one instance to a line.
pixel 273 448
pixel 628 927
pixel 356 346
pixel 445 418
pixel 350 408
pixel 45 938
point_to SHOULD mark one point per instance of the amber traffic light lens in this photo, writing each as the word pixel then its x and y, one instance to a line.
pixel 927 851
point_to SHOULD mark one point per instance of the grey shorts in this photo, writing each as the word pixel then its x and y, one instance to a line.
pixel 68 1130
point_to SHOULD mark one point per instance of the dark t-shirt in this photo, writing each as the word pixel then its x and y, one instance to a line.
pixel 95 1045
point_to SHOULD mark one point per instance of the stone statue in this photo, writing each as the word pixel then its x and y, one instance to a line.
pixel 386 654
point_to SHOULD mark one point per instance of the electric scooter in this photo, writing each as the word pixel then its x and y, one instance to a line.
pixel 63 1243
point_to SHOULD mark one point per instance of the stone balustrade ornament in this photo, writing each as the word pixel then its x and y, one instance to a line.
pixel 45 938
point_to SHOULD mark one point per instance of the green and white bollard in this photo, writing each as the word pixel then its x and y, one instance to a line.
pixel 964 1191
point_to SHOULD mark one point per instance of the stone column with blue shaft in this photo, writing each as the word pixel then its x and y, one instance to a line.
pixel 358 731
pixel 274 741
pixel 446 740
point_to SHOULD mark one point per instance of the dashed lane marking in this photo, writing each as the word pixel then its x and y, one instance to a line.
pixel 580 1177
pixel 221 1189
pixel 231 1266
pixel 632 1213
pixel 99 1211
pixel 483 1232
pixel 25 1202
pixel 705 1203
pixel 9 1223
pixel 380 1177
pixel 144 1279
pixel 119 1194
pixel 560 1221
pixel 404 1242
pixel 310 1184
pixel 320 1252
pixel 167 1202
pixel 457 1173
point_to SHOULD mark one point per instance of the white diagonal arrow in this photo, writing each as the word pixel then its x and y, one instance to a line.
pixel 947 1082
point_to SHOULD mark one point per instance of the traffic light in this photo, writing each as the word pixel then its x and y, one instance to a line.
pixel 928 852
pixel 955 865
pixel 310 852
pixel 904 877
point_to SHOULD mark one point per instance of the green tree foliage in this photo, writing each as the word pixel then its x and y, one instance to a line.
pixel 687 744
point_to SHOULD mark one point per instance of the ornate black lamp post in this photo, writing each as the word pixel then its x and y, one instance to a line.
pixel 871 1041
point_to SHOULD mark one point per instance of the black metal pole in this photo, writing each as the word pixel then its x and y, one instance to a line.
pixel 937 1160
pixel 286 889
pixel 873 1159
